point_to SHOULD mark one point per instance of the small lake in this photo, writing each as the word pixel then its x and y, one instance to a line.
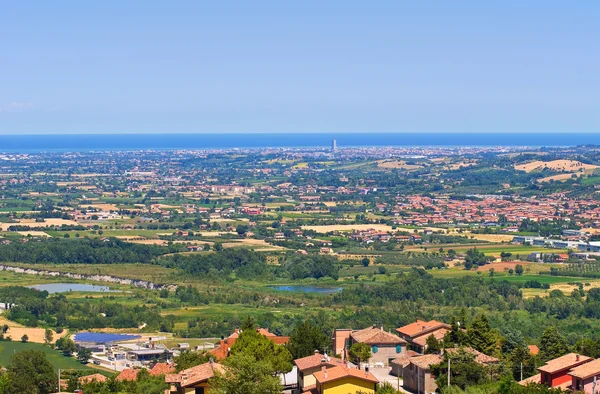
pixel 308 289
pixel 67 287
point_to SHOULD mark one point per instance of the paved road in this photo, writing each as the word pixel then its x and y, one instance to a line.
pixel 383 375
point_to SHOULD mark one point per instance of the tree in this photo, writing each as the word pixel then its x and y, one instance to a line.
pixel 241 229
pixel 188 359
pixel 475 257
pixel 5 328
pixel 305 339
pixel 48 336
pixel 552 344
pixel 519 269
pixel 262 349
pixel 30 372
pixel 360 352
pixel 481 336
pixel 456 336
pixel 245 375
pixel 24 338
pixel 432 345
pixel 218 246
pixel 365 261
pixel 465 371
pixel 66 345
pixel 83 355
pixel 385 388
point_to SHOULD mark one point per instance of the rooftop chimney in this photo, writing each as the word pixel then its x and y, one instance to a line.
pixel 316 352
pixel 577 357
pixel 324 370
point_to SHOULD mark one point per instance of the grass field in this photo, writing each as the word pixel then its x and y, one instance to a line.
pixel 7 349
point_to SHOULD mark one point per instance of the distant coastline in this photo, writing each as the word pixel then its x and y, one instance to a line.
pixel 107 142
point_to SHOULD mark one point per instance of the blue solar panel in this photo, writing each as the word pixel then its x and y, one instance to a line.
pixel 99 337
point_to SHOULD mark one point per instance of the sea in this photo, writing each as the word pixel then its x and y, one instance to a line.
pixel 112 142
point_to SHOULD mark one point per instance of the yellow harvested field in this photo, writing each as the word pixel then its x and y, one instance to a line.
pixel 102 207
pixel 491 237
pixel 397 164
pixel 37 335
pixel 259 243
pixel 33 233
pixel 559 177
pixel 32 223
pixel 556 165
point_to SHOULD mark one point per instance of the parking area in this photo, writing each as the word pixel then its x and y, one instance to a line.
pixel 383 375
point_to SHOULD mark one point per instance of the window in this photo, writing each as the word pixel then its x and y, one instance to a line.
pixel 199 390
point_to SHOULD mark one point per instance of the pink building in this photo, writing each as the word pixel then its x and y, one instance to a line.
pixel 584 377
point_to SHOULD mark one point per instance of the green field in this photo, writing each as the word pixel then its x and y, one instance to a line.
pixel 7 349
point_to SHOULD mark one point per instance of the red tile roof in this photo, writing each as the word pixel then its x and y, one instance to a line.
pixel 419 327
pixel 195 375
pixel 128 374
pixel 376 336
pixel 586 370
pixel 162 369
pixel 438 333
pixel 316 360
pixel 339 372
pixel 426 360
pixel 479 357
pixel 531 380
pixel 404 359
pixel 534 350
pixel 567 361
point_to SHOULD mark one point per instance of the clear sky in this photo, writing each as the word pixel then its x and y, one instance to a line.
pixel 124 66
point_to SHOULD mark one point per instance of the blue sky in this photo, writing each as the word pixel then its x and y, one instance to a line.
pixel 125 66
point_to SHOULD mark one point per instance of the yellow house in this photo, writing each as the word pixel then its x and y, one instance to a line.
pixel 344 380
pixel 307 366
pixel 193 380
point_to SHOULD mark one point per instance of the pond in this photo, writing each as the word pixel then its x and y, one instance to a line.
pixel 67 287
pixel 308 289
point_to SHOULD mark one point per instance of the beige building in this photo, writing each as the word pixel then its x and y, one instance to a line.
pixel 308 366
pixel 385 346
pixel 417 375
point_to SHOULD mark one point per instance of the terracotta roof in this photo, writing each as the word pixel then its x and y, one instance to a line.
pixel 128 374
pixel 91 378
pixel 531 380
pixel 479 357
pixel 162 369
pixel 221 352
pixel 420 326
pixel 310 389
pixel 194 375
pixel 404 359
pixel 567 361
pixel 534 350
pixel 426 360
pixel 315 360
pixel 438 333
pixel 339 372
pixel 375 336
pixel 586 370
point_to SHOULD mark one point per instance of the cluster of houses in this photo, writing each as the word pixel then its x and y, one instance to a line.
pixel 395 357
pixel 572 372
pixel 423 210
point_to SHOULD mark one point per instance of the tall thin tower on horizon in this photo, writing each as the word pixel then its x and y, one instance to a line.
pixel 333 145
